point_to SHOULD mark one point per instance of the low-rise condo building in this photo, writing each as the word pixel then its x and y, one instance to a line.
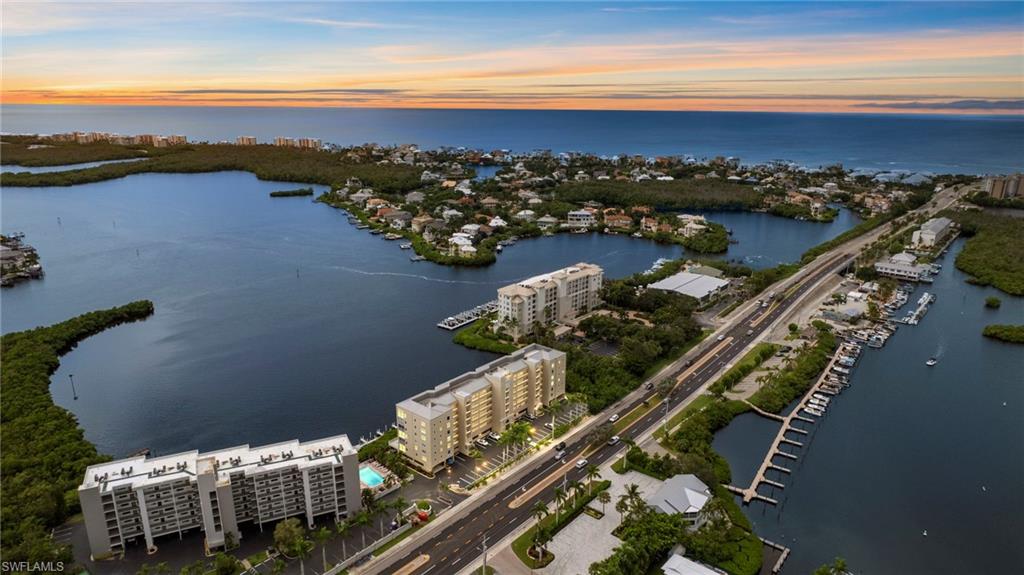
pixel 142 498
pixel 549 298
pixel 435 425
pixel 932 232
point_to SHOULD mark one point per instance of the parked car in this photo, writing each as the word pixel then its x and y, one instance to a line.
pixel 493 436
pixel 614 418
pixel 482 443
pixel 613 440
pixel 560 446
pixel 550 426
pixel 581 464
pixel 559 455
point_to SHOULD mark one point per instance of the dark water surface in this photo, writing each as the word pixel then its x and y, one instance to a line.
pixel 909 448
pixel 952 144
pixel 275 318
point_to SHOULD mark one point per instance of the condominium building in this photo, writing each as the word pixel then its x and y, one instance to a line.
pixel 932 232
pixel 141 499
pixel 549 298
pixel 1002 187
pixel 308 143
pixel 435 425
pixel 279 141
pixel 580 219
pixel 245 141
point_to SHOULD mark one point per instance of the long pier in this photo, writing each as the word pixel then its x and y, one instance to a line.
pixel 469 316
pixel 750 493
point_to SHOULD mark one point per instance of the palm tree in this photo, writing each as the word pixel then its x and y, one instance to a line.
pixel 635 498
pixel 575 487
pixel 592 474
pixel 622 505
pixel 560 498
pixel 278 567
pixel 368 499
pixel 342 528
pixel 604 497
pixel 540 511
pixel 322 536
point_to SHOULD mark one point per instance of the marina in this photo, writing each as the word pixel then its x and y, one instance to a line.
pixel 469 316
pixel 914 317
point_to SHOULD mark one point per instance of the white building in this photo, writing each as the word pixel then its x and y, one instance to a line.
pixel 435 425
pixel 142 498
pixel 683 494
pixel 679 565
pixel 581 219
pixel 549 298
pixel 903 266
pixel 525 215
pixel 702 287
pixel 932 232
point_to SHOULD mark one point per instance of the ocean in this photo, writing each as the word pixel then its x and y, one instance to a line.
pixel 928 143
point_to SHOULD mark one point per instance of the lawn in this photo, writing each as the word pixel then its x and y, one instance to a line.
pixel 696 405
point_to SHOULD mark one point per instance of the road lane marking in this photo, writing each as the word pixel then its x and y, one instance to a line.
pixel 415 564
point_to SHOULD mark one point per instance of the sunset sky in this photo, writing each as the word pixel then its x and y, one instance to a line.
pixel 908 57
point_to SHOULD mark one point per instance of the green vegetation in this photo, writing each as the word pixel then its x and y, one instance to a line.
pixel 379 451
pixel 44 451
pixel 993 302
pixel 797 377
pixel 751 361
pixel 761 279
pixel 673 195
pixel 266 162
pixel 983 199
pixel 18 151
pixel 837 567
pixel 695 406
pixel 479 335
pixel 713 240
pixel 1007 333
pixel 854 232
pixel 994 254
pixel 567 507
pixel 657 466
pixel 292 193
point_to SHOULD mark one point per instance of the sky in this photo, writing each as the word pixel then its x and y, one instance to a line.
pixel 905 57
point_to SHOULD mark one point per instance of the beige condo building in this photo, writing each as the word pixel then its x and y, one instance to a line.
pixel 549 298
pixel 435 425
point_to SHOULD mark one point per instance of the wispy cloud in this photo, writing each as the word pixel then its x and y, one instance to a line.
pixel 348 24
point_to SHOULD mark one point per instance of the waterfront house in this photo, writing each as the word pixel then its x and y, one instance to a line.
pixel 684 494
pixel 692 229
pixel 691 218
pixel 360 198
pixel 679 565
pixel 376 203
pixel 649 224
pixel 619 221
pixel 432 230
pixel 398 219
pixel 547 221
pixel 581 219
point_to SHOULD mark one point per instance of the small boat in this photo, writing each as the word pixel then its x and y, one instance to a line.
pixel 499 248
pixel 417 258
pixel 406 246
pixel 393 237
pixel 931 361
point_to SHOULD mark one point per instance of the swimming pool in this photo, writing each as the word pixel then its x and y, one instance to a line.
pixel 369 477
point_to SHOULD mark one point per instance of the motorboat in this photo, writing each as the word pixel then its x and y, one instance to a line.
pixel 931 361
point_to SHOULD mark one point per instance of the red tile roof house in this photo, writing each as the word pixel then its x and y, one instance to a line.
pixel 621 221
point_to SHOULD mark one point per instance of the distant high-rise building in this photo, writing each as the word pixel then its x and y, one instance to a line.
pixel 245 140
pixel 280 141
pixel 1001 187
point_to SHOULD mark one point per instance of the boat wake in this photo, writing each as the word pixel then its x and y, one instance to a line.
pixel 417 276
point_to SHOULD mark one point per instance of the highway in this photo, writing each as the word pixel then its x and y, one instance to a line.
pixel 506 508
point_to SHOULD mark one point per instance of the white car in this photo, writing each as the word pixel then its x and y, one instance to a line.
pixel 550 426
pixel 613 440
pixel 614 418
pixel 559 455
pixel 581 464
pixel 482 443
pixel 721 337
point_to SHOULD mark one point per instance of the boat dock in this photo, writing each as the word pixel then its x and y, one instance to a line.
pixel 469 316
pixel 812 403
pixel 914 317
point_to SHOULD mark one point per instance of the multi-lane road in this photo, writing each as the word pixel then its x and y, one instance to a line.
pixel 505 507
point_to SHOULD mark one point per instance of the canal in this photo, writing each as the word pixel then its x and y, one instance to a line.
pixel 908 449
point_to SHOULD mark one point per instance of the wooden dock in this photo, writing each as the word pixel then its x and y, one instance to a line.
pixel 750 493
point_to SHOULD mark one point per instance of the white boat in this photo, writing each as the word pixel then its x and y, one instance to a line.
pixel 931 361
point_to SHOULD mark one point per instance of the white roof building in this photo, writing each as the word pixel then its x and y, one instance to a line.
pixel 497 222
pixel 679 565
pixel 683 494
pixel 698 286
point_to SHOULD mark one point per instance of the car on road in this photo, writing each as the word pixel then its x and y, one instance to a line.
pixel 559 455
pixel 614 418
pixel 560 446
pixel 764 304
pixel 689 362
pixel 649 386
pixel 750 332
pixel 581 464
pixel 613 440
pixel 721 337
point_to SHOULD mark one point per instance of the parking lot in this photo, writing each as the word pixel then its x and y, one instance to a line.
pixel 468 470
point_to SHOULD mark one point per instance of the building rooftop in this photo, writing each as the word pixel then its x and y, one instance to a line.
pixel 680 494
pixel 140 470
pixel 435 401
pixel 691 284
pixel 679 565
